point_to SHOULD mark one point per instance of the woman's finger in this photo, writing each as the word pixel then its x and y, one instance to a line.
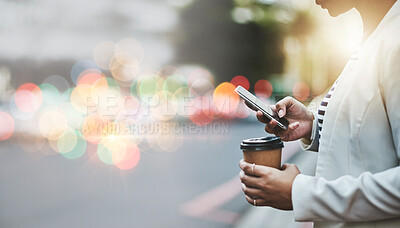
pixel 270 127
pixel 262 118
pixel 283 105
pixel 273 129
pixel 248 180
pixel 285 135
pixel 252 192
pixel 251 169
pixel 256 202
pixel 273 107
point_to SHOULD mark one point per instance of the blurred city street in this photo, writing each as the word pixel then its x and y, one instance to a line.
pixel 162 191
pixel 123 113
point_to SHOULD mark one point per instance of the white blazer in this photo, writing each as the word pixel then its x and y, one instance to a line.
pixel 357 182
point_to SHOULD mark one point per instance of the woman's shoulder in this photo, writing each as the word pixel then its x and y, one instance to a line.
pixel 391 36
pixel 389 49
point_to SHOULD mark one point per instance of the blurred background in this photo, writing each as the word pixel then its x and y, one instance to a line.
pixel 122 113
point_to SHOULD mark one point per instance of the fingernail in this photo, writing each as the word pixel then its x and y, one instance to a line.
pixel 280 113
pixel 297 124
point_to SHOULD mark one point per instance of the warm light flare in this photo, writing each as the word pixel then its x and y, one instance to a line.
pixel 7 126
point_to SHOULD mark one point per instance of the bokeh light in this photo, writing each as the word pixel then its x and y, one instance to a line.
pixel 81 66
pixel 128 106
pixel 169 70
pixel 82 100
pixel 93 128
pixel 74 117
pixel 301 91
pixel 163 108
pixel 26 101
pixel 226 100
pixel 173 83
pixel 240 80
pixel 201 87
pixel 105 154
pixel 52 123
pixel 16 112
pixel 124 67
pixel 263 88
pixel 67 142
pixel 127 160
pixel 201 82
pixel 181 100
pixel 7 126
pixel 103 53
pixel 148 86
pixel 98 115
pixel 79 149
pixel 28 97
pixel 242 111
pixel 131 47
pixel 201 111
pixel 89 77
pixel 200 73
pixel 57 81
pixel 51 95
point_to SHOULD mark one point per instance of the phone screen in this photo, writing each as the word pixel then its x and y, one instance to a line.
pixel 263 107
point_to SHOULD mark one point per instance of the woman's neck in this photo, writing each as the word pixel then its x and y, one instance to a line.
pixel 372 12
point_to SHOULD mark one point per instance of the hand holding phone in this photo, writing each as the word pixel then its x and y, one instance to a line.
pixel 259 105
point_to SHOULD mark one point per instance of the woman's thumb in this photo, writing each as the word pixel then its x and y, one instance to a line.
pixel 281 106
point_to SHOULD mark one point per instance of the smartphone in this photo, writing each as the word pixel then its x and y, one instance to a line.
pixel 263 107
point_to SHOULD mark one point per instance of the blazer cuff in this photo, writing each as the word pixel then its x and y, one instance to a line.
pixel 311 144
pixel 301 201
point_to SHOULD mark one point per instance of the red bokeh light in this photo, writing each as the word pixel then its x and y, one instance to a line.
pixel 129 159
pixel 263 88
pixel 202 112
pixel 242 81
pixel 89 77
pixel 7 126
pixel 28 97
pixel 301 91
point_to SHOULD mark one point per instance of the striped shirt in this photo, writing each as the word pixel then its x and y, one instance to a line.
pixel 322 108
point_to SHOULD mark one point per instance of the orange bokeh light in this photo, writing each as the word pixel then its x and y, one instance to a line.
pixel 226 100
pixel 92 128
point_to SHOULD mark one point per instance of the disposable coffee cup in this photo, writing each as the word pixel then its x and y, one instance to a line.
pixel 265 151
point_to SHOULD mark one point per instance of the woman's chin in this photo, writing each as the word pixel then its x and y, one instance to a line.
pixel 334 13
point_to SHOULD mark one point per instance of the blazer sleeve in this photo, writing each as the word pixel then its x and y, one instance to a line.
pixel 369 197
pixel 311 144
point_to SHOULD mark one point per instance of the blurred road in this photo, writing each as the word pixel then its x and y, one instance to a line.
pixel 196 186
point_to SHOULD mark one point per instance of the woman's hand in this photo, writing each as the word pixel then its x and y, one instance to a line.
pixel 299 117
pixel 266 186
